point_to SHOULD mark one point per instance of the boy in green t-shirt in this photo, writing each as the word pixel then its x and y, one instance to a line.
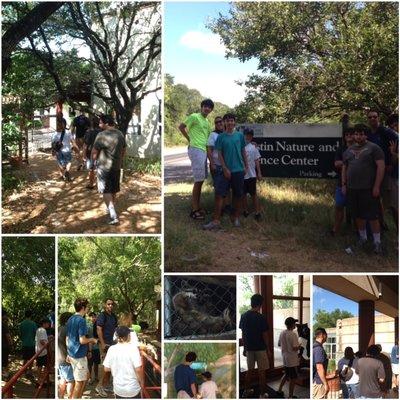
pixel 196 129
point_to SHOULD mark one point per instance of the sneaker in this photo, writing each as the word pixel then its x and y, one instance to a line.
pixel 257 217
pixel 100 391
pixel 114 221
pixel 378 250
pixel 212 226
pixel 236 223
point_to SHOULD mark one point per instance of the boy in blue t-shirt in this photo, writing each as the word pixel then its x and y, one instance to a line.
pixel 185 378
pixel 232 155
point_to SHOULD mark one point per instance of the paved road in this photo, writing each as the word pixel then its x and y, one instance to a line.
pixel 176 165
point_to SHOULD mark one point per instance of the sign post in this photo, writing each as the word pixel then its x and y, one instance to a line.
pixel 297 150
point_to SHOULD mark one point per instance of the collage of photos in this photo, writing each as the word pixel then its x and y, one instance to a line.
pixel 199 199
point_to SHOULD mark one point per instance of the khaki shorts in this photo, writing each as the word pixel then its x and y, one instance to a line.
pixel 183 395
pixel 259 357
pixel 80 368
pixel 318 391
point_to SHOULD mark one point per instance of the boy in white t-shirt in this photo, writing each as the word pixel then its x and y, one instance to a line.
pixel 289 344
pixel 124 362
pixel 208 389
pixel 253 173
pixel 41 340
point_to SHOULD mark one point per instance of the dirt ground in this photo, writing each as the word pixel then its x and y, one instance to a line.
pixel 47 204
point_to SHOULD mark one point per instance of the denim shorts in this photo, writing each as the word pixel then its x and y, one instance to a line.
pixel 64 158
pixel 66 373
pixel 222 185
pixel 340 198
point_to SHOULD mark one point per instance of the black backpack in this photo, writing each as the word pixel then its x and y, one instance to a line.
pixel 58 144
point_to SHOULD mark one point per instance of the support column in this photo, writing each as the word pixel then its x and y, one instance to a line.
pixel 366 324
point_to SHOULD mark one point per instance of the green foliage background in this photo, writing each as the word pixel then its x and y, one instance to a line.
pixel 28 278
pixel 326 319
pixel 126 269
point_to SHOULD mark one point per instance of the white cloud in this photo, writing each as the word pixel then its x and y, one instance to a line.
pixel 206 42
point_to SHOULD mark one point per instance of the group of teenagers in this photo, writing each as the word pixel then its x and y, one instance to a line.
pixel 84 344
pixel 368 183
pixel 366 161
pixel 363 375
pixel 99 146
pixel 234 164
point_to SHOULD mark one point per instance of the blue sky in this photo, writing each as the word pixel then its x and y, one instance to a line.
pixel 324 300
pixel 193 55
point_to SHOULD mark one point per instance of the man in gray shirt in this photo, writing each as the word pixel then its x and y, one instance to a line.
pixel 108 151
pixel 362 175
pixel 371 373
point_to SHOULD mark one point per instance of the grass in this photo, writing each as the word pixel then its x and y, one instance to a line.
pixel 151 166
pixel 293 235
pixel 10 183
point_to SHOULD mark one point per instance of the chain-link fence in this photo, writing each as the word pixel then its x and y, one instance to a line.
pixel 200 307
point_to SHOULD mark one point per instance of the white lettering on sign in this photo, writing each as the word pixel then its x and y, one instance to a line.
pixel 293 147
pixel 288 160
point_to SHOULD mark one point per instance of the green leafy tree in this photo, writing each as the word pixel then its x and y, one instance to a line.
pixel 124 268
pixel 316 60
pixel 326 319
pixel 28 278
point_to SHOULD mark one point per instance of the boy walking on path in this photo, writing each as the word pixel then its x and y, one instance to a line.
pixel 253 173
pixel 27 334
pixel 109 150
pixel 232 156
pixel 362 175
pixel 196 129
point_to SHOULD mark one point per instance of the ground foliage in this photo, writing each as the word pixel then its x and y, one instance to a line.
pixel 126 269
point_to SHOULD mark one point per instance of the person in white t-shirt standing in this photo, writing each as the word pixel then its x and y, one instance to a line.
pixel 124 362
pixel 253 173
pixel 208 389
pixel 41 339
pixel 289 344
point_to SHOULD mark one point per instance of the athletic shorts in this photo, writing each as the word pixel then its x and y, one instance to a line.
pixel 250 186
pixel 198 159
pixel 291 372
pixel 108 181
pixel 28 352
pixel 95 359
pixel 259 357
pixel 66 373
pixel 41 361
pixel 340 198
pixel 362 204
pixel 64 158
pixel 394 193
pixel 80 368
pixel 222 185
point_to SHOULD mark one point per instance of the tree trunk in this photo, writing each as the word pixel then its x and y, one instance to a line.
pixel 25 27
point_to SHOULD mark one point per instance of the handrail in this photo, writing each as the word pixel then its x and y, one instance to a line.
pixel 8 387
pixel 145 389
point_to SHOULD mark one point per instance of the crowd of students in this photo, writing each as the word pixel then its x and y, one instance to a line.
pixel 83 344
pixel 100 147
pixel 369 375
pixel 234 164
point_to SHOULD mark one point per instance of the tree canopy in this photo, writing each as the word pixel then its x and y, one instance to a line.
pixel 326 319
pixel 179 102
pixel 28 277
pixel 123 268
pixel 316 60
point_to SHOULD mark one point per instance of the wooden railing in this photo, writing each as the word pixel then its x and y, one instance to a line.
pixel 7 390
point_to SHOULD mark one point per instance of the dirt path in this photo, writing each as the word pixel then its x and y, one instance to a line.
pixel 47 204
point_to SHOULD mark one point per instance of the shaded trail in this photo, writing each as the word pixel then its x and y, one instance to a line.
pixel 46 204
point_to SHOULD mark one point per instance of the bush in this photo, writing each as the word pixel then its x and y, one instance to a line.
pixel 10 182
pixel 150 166
pixel 11 136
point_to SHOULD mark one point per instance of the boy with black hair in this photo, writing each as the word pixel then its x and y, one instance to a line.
pixel 27 334
pixel 79 126
pixel 108 151
pixel 196 128
pixel 41 339
pixel 185 378
pixel 320 386
pixel 95 360
pixel 252 174
pixel 255 343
